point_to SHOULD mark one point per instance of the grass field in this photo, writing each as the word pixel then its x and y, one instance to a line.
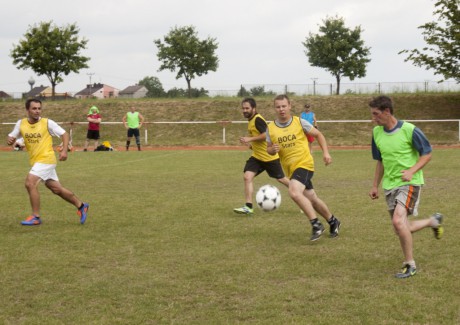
pixel 162 246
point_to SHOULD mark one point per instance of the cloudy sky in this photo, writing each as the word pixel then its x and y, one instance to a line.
pixel 260 41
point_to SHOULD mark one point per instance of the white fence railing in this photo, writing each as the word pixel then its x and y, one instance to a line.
pixel 225 123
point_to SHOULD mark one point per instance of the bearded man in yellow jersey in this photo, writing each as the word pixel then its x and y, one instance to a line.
pixel 37 133
pixel 259 161
pixel 287 137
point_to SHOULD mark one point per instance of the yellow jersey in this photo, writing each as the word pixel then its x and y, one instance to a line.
pixel 259 148
pixel 294 151
pixel 38 141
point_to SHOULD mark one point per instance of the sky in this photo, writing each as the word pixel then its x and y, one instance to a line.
pixel 259 41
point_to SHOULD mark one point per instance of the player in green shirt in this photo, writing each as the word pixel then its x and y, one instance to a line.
pixel 133 121
pixel 401 151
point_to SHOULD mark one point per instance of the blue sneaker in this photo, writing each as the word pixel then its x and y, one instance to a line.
pixel 83 212
pixel 31 221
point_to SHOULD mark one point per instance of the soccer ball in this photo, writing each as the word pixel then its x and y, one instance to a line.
pixel 268 198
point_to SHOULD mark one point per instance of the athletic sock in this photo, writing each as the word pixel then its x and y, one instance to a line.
pixel 249 205
pixel 331 220
pixel 411 263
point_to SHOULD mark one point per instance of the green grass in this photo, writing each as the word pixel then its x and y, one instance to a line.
pixel 163 246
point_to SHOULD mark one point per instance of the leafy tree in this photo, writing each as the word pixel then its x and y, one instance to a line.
pixel 51 51
pixel 184 52
pixel 338 49
pixel 442 36
pixel 243 92
pixel 257 91
pixel 191 93
pixel 154 87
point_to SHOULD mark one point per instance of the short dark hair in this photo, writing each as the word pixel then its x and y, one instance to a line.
pixel 249 100
pixel 32 100
pixel 382 102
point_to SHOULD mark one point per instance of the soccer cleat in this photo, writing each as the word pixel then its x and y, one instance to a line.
pixel 83 212
pixel 317 232
pixel 334 229
pixel 244 210
pixel 31 221
pixel 439 229
pixel 406 271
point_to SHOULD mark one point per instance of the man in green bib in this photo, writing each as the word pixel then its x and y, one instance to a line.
pixel 133 121
pixel 401 151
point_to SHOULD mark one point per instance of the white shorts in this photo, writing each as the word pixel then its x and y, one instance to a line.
pixel 44 171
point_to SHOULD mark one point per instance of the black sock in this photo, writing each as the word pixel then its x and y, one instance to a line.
pixel 314 222
pixel 81 206
pixel 249 205
pixel 331 220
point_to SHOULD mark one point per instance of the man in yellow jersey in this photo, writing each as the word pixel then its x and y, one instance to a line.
pixel 401 151
pixel 133 122
pixel 37 133
pixel 287 137
pixel 259 161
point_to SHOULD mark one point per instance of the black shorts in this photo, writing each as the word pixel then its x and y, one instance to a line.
pixel 272 167
pixel 304 176
pixel 93 135
pixel 133 133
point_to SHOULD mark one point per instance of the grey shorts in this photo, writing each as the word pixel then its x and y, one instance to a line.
pixel 407 195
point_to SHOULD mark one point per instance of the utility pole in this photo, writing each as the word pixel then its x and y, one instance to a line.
pixel 90 76
pixel 314 85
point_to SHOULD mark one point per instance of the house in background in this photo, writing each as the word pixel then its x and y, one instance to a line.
pixel 4 96
pixel 39 92
pixel 135 91
pixel 97 91
pixel 44 92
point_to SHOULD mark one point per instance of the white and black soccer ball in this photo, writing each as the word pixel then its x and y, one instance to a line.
pixel 268 198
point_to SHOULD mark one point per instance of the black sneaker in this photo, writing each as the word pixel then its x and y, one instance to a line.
pixel 334 228
pixel 406 272
pixel 317 232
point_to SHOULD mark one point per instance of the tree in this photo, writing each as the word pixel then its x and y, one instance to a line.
pixel 154 87
pixel 338 49
pixel 51 51
pixel 243 92
pixel 184 52
pixel 442 53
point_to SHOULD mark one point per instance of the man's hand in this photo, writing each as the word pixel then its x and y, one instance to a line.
pixel 406 175
pixel 374 193
pixel 63 154
pixel 10 140
pixel 327 159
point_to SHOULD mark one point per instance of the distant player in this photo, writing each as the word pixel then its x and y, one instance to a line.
pixel 260 160
pixel 309 116
pixel 133 121
pixel 37 133
pixel 94 125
